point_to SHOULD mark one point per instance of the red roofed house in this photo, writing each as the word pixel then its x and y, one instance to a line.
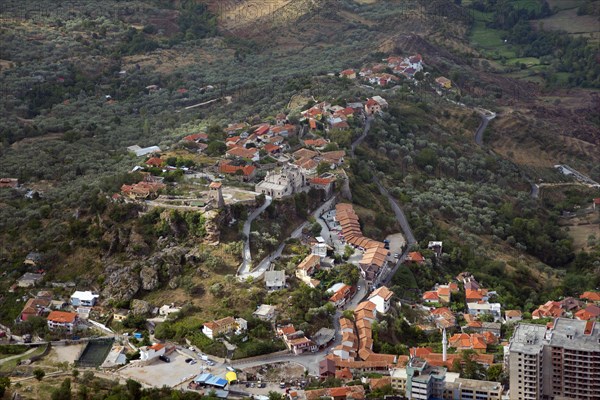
pixel 241 152
pixel 372 107
pixel 588 313
pixel 464 341
pixel 9 182
pixel 271 148
pixel 473 296
pixel 34 308
pixel 356 392
pixel 307 268
pixel 62 320
pixel 317 143
pixel 382 298
pixel 341 294
pixel 325 184
pixel 348 73
pixel 596 203
pixel 196 137
pixel 149 353
pixel 247 172
pixel 155 162
pixel 443 292
pixel 591 297
pixel 262 130
pixel 552 309
pixel 431 297
pixel 415 257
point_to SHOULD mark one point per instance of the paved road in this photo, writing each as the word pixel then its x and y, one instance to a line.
pixel 410 238
pixel 362 137
pixel 486 117
pixel 2 361
pixel 244 268
pixel 265 263
pixel 535 191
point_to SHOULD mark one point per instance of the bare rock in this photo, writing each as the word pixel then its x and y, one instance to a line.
pixel 140 307
pixel 149 277
pixel 137 245
pixel 122 283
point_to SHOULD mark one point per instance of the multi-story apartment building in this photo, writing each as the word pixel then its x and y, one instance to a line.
pixel 419 380
pixel 561 361
pixel 422 381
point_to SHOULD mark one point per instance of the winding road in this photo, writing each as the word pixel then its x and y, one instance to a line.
pixel 245 271
pixel 244 268
pixel 362 137
pixel 486 117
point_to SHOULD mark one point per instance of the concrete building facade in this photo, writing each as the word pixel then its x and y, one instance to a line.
pixel 561 361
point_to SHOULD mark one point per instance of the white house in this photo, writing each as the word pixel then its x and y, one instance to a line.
pixel 84 299
pixel 265 312
pixel 493 309
pixel 168 309
pixel 513 316
pixel 381 297
pixel 152 352
pixel 62 320
pixel 29 279
pixel 224 326
pixel 275 280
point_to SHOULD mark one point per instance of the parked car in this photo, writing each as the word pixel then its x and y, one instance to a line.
pixel 187 360
pixel 192 362
pixel 164 358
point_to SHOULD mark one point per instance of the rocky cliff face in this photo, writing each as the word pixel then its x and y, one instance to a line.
pixel 121 284
pixel 157 266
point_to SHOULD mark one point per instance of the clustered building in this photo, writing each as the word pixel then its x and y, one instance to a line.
pixel 421 380
pixel 375 254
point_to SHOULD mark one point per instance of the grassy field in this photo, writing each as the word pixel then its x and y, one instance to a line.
pixel 489 40
pixel 569 21
pixel 565 4
pixel 526 4
pixel 580 234
pixel 10 365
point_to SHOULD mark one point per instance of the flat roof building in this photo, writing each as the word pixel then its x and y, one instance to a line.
pixel 561 360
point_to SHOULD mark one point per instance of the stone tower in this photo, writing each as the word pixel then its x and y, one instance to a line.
pixel 216 194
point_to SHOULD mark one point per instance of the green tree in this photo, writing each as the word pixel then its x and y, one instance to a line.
pixel 322 168
pixel 63 392
pixel 39 374
pixel 216 148
pixel 494 373
pixel 134 388
pixel 275 396
pixel 4 385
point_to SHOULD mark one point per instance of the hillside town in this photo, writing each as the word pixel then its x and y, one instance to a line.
pixel 453 340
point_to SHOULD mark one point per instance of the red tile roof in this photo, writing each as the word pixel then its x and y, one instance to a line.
pixel 590 296
pixel 155 162
pixel 232 169
pixel 242 152
pixel 196 136
pixel 321 181
pixel 415 256
pixel 62 317
pixel 271 148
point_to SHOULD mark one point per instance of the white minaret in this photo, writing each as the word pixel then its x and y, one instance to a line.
pixel 444 345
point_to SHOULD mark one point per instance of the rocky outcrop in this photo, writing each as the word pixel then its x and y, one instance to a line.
pixel 137 245
pixel 140 307
pixel 121 284
pixel 211 225
pixel 149 277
